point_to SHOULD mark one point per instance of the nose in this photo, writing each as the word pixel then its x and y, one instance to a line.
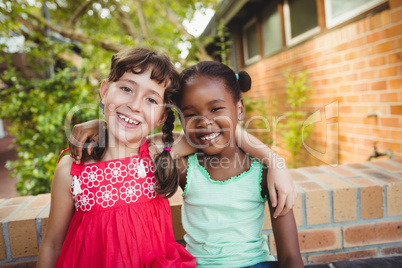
pixel 204 122
pixel 135 103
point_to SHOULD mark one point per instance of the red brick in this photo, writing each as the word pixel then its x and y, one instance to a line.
pixel 328 258
pixel 387 72
pixel 396 15
pixel 396 84
pixel 389 122
pixel 396 109
pixel 6 211
pixel 16 200
pixel 39 202
pixel 23 240
pixel 344 197
pixel 319 239
pixel 391 250
pixel 374 37
pixel 312 170
pixel 341 171
pixel 393 4
pixel 387 167
pixel 386 46
pixel 393 31
pixel 297 176
pixel 371 198
pixel 377 61
pixel 395 57
pixel 317 203
pixel 380 85
pixel 389 97
pixel 372 233
pixel 2 245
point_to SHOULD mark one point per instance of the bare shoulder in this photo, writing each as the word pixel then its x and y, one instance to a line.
pixel 62 175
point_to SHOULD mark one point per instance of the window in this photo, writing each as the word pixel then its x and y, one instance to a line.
pixel 271 28
pixel 250 42
pixel 338 11
pixel 301 20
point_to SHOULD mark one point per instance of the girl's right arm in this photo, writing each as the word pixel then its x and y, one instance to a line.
pixel 61 212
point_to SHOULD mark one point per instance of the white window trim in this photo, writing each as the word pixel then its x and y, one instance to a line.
pixel 288 28
pixel 256 58
pixel 330 22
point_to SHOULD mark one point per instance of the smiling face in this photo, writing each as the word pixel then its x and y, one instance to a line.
pixel 134 105
pixel 210 114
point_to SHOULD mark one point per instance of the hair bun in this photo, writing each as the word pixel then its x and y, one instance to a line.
pixel 244 81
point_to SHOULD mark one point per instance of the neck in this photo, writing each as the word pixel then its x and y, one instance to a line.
pixel 117 149
pixel 228 153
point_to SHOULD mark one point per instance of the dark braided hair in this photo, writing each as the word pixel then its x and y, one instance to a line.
pixel 165 167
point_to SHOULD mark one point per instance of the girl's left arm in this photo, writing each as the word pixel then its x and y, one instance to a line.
pixel 282 191
pixel 286 240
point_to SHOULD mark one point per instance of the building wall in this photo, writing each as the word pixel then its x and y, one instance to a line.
pixel 356 74
pixel 348 212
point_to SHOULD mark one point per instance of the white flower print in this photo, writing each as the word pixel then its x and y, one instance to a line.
pixel 85 200
pixel 138 168
pixel 130 191
pixel 92 176
pixel 149 187
pixel 115 172
pixel 107 196
pixel 151 166
pixel 76 186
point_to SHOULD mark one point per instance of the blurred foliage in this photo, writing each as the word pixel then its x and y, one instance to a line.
pixel 298 91
pixel 36 102
pixel 40 115
pixel 262 120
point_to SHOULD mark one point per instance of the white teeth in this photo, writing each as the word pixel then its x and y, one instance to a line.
pixel 128 120
pixel 210 136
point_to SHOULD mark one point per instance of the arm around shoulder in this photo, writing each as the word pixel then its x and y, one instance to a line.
pixel 61 212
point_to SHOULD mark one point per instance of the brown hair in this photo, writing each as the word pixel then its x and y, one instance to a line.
pixel 140 60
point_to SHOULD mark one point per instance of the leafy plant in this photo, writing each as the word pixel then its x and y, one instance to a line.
pixel 38 110
pixel 298 92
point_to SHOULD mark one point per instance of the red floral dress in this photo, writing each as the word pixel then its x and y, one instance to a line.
pixel 119 220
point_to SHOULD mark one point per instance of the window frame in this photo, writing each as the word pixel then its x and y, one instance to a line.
pixel 263 30
pixel 247 59
pixel 288 27
pixel 332 22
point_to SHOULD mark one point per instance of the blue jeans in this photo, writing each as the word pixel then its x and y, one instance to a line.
pixel 265 264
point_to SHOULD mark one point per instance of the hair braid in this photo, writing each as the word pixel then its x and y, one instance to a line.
pixel 165 168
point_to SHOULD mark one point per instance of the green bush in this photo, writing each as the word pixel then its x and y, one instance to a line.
pixel 38 110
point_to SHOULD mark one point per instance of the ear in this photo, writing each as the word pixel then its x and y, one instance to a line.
pixel 240 110
pixel 103 90
pixel 163 117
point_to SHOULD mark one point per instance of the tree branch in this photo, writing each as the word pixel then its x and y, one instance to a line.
pixel 125 21
pixel 142 20
pixel 81 9
pixel 72 34
pixel 171 16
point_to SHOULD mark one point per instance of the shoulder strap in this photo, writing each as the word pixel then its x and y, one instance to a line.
pixel 143 152
pixel 62 152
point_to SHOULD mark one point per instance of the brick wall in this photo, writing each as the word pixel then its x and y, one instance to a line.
pixel 345 212
pixel 359 66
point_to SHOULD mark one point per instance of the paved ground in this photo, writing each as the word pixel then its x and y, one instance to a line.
pixel 7 185
pixel 388 262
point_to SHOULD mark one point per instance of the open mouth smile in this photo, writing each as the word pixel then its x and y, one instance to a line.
pixel 210 136
pixel 128 121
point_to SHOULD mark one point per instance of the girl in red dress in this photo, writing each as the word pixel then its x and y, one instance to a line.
pixel 111 212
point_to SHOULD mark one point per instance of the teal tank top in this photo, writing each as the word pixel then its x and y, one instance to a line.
pixel 223 220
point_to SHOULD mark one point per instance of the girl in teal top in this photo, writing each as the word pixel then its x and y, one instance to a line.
pixel 224 194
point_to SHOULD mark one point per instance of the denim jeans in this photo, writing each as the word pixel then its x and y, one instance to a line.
pixel 265 264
